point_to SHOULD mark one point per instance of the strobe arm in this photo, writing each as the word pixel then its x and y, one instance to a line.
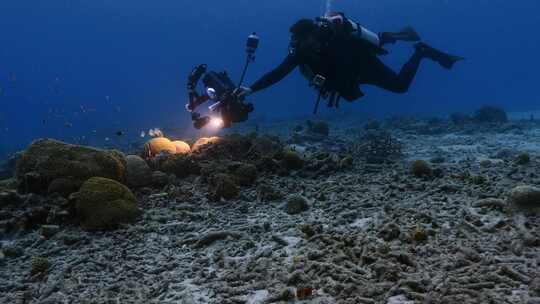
pixel 195 99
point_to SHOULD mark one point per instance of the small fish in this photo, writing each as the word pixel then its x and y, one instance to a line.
pixel 119 133
pixel 155 132
pixel 143 134
pixel 68 125
pixel 107 139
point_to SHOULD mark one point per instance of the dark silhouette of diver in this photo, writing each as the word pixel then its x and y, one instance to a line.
pixel 337 55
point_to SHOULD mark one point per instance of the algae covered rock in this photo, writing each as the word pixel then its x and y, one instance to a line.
pixel 103 204
pixel 346 162
pixel 46 160
pixel 64 186
pixel 267 193
pixel 319 127
pixel 420 168
pixel 525 196
pixel 159 179
pixel 296 204
pixel 8 197
pixel 138 173
pixel 490 114
pixel 39 265
pixel 292 160
pixel 223 186
pixel 9 184
pixel 245 174
pixel 180 165
pixel 523 159
pixel 266 146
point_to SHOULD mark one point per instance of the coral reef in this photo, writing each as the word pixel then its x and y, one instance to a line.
pixel 39 265
pixel 525 196
pixel 7 169
pixel 245 174
pixel 245 228
pixel 138 173
pixel 64 186
pixel 157 146
pixel 46 160
pixel 421 168
pixel 204 141
pixel 296 204
pixel 103 204
pixel 318 127
pixel 181 165
pixel 223 186
pixel 490 114
pixel 182 147
pixel 291 160
pixel 460 119
pixel 377 147
pixel 267 193
pixel 523 159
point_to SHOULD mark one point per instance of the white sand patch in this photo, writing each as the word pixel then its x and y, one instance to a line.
pixel 401 299
pixel 188 293
pixel 298 148
pixel 290 249
pixel 258 297
pixel 361 223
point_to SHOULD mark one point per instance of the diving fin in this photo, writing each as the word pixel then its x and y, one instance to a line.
pixel 445 60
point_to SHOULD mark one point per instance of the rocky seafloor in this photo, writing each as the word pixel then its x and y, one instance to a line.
pixel 452 228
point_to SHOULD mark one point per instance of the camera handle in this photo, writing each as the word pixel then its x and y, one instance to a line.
pixel 251 47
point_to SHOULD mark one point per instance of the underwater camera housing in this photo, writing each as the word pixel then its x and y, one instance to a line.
pixel 219 88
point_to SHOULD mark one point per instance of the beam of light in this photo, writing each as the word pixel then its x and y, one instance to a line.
pixel 216 123
pixel 328 7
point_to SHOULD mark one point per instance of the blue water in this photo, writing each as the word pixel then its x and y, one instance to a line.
pixel 89 68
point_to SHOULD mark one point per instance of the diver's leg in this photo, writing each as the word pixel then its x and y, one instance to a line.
pixel 380 75
pixel 445 60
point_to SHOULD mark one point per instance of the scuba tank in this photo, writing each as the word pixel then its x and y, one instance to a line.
pixel 334 25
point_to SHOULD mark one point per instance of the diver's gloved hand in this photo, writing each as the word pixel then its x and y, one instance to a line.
pixel 242 92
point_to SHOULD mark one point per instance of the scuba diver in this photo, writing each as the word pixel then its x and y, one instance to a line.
pixel 336 54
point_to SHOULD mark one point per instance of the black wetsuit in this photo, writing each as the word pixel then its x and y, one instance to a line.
pixel 346 62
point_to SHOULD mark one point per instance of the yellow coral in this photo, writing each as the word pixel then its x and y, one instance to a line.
pixel 181 147
pixel 157 145
pixel 204 141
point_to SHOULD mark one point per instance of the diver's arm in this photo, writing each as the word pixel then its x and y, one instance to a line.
pixel 276 75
